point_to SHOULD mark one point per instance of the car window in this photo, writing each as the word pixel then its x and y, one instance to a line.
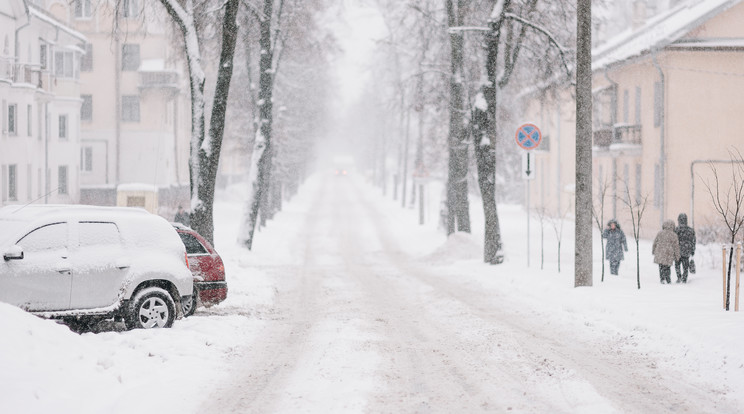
pixel 94 233
pixel 49 237
pixel 192 244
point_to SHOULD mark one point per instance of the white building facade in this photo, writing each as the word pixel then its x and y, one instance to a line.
pixel 40 103
pixel 135 114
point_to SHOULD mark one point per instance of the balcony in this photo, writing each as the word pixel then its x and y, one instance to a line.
pixel 25 73
pixel 602 137
pixel 627 134
pixel 164 79
pixel 620 139
pixel 154 75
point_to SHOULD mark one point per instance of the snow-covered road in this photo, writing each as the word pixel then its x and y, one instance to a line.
pixel 347 305
pixel 360 324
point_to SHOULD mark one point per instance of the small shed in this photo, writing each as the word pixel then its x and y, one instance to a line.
pixel 138 195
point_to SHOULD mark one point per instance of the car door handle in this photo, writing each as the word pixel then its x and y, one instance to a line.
pixel 122 264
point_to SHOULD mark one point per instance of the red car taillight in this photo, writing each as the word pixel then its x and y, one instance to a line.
pixel 186 259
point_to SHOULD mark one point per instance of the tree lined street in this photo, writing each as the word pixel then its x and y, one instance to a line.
pixel 360 324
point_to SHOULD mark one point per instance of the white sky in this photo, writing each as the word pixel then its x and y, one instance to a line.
pixel 357 25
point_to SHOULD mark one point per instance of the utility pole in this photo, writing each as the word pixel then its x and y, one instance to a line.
pixel 583 248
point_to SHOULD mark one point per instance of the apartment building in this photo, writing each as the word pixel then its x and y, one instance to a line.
pixel 40 103
pixel 135 112
pixel 667 108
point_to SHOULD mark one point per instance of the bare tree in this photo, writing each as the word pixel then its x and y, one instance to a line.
pixel 514 20
pixel 636 207
pixel 458 214
pixel 729 203
pixel 205 152
pixel 583 249
pixel 598 208
pixel 542 216
pixel 557 221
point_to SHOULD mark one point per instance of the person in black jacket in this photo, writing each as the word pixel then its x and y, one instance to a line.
pixel 182 217
pixel 616 244
pixel 687 242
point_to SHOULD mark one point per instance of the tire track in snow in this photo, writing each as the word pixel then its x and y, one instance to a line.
pixel 585 375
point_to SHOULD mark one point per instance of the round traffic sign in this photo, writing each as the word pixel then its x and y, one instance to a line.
pixel 528 136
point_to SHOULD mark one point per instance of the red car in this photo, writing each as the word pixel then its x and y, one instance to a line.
pixel 210 287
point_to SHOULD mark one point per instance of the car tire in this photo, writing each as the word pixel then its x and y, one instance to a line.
pixel 189 306
pixel 152 307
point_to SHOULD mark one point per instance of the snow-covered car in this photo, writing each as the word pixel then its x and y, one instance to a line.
pixel 84 263
pixel 210 287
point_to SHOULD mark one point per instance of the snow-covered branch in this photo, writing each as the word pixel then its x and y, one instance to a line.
pixel 456 29
pixel 561 49
pixel 498 10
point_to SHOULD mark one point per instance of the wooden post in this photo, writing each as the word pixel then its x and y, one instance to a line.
pixel 738 275
pixel 723 266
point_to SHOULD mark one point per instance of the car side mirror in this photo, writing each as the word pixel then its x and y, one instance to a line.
pixel 14 253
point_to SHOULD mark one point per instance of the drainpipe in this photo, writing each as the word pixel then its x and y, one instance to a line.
pixel 117 106
pixel 662 155
pixel 17 44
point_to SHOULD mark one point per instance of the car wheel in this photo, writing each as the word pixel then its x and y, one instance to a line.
pixel 189 306
pixel 151 307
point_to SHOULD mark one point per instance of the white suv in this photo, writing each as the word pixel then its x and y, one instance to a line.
pixel 90 263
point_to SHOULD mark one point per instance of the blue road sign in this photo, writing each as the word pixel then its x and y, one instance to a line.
pixel 528 136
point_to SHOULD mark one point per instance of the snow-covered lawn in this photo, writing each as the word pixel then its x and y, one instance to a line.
pixel 45 368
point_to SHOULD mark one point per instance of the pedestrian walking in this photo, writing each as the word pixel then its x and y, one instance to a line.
pixel 616 244
pixel 182 217
pixel 666 250
pixel 687 241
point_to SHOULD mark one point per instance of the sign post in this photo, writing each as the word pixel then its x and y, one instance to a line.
pixel 528 137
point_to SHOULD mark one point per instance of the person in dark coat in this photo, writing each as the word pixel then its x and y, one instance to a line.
pixel 666 250
pixel 182 217
pixel 616 244
pixel 686 236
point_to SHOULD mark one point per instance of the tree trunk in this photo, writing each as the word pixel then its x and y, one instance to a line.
pixel 484 124
pixel 583 225
pixel 458 215
pixel 728 276
pixel 205 155
pixel 262 154
pixel 638 263
pixel 603 258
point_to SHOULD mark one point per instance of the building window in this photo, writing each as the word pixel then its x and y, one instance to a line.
pixel 64 64
pixel 129 8
pixel 43 56
pixel 658 103
pixel 3 183
pixel 130 108
pixel 83 9
pixel 626 181
pixel 657 186
pixel 29 180
pixel 13 119
pixel 62 179
pixel 638 105
pixel 130 57
pixel 86 159
pixel 29 121
pixel 86 62
pixel 12 183
pixel 86 109
pixel 626 106
pixel 62 127
pixel 638 182
pixel 604 106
